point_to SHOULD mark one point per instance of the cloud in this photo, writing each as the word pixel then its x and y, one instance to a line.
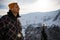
pixel 27 1
pixel 56 1
pixel 4 3
pixel 59 2
pixel 33 5
pixel 22 2
pixel 3 7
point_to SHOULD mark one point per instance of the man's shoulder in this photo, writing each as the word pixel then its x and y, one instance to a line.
pixel 4 17
pixel 2 21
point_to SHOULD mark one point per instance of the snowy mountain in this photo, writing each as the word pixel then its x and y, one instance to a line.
pixel 36 19
pixel 40 17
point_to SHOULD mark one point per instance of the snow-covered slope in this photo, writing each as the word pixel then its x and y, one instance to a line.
pixel 39 17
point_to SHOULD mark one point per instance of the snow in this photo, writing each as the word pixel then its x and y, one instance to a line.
pixel 39 17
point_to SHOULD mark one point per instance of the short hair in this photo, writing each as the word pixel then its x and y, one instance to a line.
pixel 11 5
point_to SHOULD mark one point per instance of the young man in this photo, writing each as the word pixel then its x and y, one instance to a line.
pixel 10 27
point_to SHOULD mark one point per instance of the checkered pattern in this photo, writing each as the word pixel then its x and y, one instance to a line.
pixel 9 29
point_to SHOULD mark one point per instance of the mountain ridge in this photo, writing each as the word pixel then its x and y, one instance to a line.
pixel 34 17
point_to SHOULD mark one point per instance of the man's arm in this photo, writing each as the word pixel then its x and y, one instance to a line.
pixel 1 30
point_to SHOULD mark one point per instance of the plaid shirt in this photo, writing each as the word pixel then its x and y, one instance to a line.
pixel 9 29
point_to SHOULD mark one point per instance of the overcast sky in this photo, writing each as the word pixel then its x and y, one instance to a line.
pixel 28 6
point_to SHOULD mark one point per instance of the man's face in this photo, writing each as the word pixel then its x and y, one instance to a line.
pixel 16 8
